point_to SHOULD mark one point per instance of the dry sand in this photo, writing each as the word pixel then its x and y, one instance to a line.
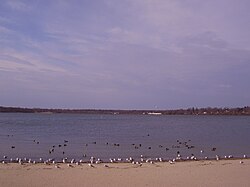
pixel 196 173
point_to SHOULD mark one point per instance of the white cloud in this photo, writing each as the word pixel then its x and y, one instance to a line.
pixel 24 61
pixel 18 5
pixel 4 30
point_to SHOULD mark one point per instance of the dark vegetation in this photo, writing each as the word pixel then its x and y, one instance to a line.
pixel 189 111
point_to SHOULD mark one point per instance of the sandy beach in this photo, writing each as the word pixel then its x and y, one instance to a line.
pixel 195 173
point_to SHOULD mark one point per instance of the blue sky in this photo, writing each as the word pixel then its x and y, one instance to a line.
pixel 125 54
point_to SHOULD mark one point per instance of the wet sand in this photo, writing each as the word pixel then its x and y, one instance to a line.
pixel 189 173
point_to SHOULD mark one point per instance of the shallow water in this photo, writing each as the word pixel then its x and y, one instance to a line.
pixel 89 134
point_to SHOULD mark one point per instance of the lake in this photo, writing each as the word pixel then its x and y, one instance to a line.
pixel 81 136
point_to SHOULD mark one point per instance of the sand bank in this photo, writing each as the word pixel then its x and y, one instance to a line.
pixel 195 173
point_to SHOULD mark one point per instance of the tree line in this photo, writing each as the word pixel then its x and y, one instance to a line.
pixel 190 111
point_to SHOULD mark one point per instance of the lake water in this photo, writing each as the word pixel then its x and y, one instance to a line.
pixel 134 135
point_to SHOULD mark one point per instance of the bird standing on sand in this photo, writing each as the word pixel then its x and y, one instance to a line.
pixel 90 165
pixel 69 165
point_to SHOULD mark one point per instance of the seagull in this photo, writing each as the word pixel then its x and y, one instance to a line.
pixel 97 162
pixel 90 165
pixel 217 157
pixel 230 156
pixel 69 165
pixel 171 162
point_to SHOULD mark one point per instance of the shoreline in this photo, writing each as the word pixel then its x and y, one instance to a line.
pixel 94 160
pixel 237 111
pixel 229 172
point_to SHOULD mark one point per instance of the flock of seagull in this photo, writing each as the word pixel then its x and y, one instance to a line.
pixel 94 161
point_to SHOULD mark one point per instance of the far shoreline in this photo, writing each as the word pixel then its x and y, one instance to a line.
pixel 239 111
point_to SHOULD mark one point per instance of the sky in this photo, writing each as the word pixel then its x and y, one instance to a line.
pixel 124 54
